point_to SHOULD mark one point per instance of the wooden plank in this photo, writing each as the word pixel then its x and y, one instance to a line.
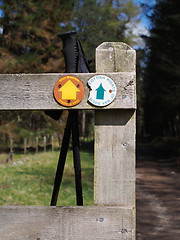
pixel 114 171
pixel 35 91
pixel 72 223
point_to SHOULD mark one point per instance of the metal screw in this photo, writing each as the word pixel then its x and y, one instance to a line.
pixel 78 85
pixel 100 219
pixel 59 86
pixel 123 231
pixel 68 101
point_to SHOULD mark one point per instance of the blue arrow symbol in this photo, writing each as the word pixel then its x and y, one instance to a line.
pixel 100 92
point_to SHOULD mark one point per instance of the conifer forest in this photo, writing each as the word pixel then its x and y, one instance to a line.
pixel 29 44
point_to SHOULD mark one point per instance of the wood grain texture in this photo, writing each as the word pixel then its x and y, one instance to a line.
pixel 114 171
pixel 115 57
pixel 66 223
pixel 35 91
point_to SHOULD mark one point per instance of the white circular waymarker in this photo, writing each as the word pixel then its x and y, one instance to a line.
pixel 102 90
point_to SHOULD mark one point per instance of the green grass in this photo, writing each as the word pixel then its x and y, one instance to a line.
pixel 28 180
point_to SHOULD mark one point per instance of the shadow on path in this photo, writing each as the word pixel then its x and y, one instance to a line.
pixel 158 197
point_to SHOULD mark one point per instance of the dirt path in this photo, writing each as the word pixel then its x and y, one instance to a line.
pixel 158 199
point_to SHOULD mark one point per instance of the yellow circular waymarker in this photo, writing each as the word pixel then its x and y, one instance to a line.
pixel 69 91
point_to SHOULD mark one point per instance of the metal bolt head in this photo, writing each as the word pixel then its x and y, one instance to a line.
pixel 100 219
pixel 123 231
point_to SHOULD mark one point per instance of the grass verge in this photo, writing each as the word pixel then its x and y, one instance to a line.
pixel 29 179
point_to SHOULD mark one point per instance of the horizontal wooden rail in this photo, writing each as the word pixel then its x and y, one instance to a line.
pixel 35 91
pixel 54 223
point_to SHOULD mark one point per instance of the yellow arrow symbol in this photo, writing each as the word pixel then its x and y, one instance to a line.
pixel 69 90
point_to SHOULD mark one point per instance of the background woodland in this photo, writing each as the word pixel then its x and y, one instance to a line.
pixel 29 44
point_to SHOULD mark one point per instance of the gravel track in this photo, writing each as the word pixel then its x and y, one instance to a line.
pixel 158 199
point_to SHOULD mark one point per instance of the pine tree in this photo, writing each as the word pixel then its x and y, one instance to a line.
pixel 28 39
pixel 29 44
pixel 162 84
pixel 98 21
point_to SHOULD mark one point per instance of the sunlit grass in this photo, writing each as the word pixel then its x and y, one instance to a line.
pixel 29 179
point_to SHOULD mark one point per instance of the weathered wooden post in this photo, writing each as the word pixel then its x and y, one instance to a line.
pixel 44 143
pixel 113 216
pixel 52 143
pixel 37 144
pixel 114 182
pixel 25 146
pixel 11 145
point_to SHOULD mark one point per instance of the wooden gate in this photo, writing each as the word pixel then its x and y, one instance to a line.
pixel 113 213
